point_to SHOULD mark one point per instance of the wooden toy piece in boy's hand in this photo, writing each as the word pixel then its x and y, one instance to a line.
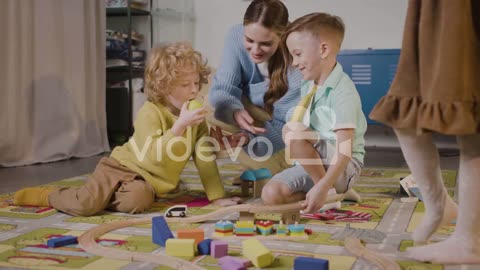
pixel 237 139
pixel 194 104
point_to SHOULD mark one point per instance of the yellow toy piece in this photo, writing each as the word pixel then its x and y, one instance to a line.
pixel 256 252
pixel 194 104
pixel 180 247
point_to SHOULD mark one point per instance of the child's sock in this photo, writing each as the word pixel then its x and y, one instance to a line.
pixel 34 196
pixel 333 205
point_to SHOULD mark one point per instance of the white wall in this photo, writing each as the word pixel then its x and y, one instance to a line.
pixel 374 24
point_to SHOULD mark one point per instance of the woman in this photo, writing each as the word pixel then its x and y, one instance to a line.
pixel 253 89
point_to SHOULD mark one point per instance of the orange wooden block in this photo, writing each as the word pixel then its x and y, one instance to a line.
pixel 197 234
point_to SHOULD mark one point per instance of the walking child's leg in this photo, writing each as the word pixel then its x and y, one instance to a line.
pixel 423 160
pixel 463 246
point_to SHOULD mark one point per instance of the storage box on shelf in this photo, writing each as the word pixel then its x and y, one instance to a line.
pixel 126 50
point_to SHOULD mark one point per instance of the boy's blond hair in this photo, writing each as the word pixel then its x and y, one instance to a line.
pixel 166 65
pixel 323 26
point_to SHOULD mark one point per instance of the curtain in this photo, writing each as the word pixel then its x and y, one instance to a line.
pixel 52 80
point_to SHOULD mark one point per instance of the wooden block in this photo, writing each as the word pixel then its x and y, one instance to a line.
pixel 180 247
pixel 256 252
pixel 160 231
pixel 258 186
pixel 307 263
pixel 245 188
pixel 62 241
pixel 246 216
pixel 291 217
pixel 246 263
pixel 204 247
pixel 197 234
pixel 233 263
pixel 218 248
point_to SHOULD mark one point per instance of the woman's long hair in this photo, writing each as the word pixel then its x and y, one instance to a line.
pixel 273 15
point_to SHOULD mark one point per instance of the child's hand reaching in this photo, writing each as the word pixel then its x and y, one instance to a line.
pixel 227 201
pixel 315 198
pixel 188 118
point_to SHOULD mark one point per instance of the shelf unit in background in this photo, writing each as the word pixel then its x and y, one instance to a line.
pixel 120 100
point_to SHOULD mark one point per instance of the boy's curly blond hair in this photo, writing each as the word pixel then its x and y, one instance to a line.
pixel 167 64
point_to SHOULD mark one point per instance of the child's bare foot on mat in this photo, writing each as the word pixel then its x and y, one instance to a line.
pixel 433 219
pixel 454 250
pixel 228 201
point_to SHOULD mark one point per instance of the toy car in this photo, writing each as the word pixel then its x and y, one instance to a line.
pixel 176 211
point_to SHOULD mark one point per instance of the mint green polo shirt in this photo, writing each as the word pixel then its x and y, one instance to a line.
pixel 337 105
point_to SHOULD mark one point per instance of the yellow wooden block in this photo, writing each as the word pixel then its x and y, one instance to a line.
pixel 256 252
pixel 244 224
pixel 180 247
pixel 221 234
pixel 297 233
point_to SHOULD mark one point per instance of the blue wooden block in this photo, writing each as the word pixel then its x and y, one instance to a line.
pixel 262 173
pixel 248 175
pixel 160 231
pixel 62 241
pixel 204 247
pixel 306 263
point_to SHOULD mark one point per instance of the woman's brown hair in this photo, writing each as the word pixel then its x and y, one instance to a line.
pixel 273 15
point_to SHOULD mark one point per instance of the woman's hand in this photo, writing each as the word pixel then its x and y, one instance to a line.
pixel 245 121
pixel 227 201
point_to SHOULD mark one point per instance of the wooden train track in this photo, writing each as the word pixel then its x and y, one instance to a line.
pixel 88 243
pixel 354 245
pixel 250 208
pixel 87 240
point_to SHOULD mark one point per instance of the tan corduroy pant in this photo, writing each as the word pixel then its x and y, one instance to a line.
pixel 111 186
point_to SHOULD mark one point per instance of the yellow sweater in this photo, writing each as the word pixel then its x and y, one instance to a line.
pixel 159 156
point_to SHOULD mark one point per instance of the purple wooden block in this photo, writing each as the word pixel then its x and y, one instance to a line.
pixel 246 263
pixel 232 265
pixel 218 248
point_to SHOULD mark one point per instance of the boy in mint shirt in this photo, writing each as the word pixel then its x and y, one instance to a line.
pixel 325 136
